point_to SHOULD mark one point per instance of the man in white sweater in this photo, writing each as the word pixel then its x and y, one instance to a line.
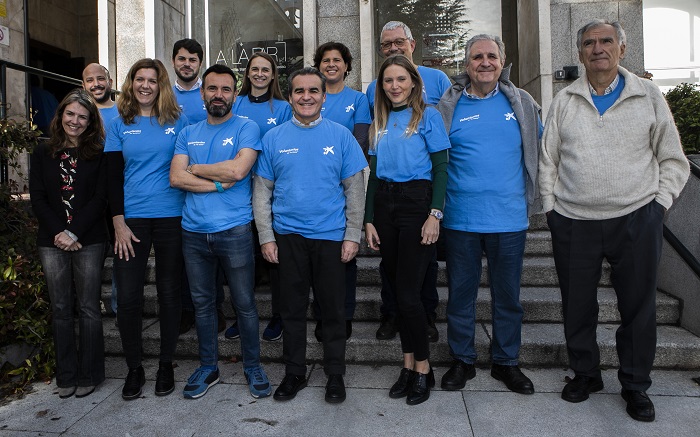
pixel 610 167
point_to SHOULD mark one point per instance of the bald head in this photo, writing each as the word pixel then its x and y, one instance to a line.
pixel 97 82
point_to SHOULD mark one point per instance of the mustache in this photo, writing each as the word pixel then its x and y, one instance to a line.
pixel 97 87
pixel 216 99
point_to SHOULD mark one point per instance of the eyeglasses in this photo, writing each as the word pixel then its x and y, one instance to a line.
pixel 399 43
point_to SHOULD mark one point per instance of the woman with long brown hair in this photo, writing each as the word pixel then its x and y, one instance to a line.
pixel 68 187
pixel 146 212
pixel 405 197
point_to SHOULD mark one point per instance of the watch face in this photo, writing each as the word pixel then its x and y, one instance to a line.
pixel 437 214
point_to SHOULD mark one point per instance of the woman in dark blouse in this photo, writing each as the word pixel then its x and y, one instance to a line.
pixel 68 187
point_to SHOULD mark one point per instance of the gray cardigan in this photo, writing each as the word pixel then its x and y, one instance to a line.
pixel 527 111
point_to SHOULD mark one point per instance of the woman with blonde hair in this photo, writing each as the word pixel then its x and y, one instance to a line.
pixel 68 187
pixel 146 212
pixel 405 198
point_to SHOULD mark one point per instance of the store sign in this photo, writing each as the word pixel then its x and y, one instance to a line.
pixel 285 53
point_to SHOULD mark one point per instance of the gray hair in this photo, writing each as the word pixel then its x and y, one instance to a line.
pixel 621 37
pixel 487 37
pixel 391 25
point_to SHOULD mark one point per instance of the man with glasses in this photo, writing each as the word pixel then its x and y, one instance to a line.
pixel 397 39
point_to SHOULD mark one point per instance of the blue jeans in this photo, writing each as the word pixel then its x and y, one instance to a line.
pixel 231 249
pixel 83 364
pixel 504 254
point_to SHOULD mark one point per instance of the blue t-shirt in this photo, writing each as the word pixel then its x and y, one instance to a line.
pixel 108 114
pixel 148 149
pixel 486 171
pixel 205 143
pixel 263 114
pixel 402 158
pixel 435 83
pixel 191 104
pixel 603 103
pixel 308 165
pixel 348 107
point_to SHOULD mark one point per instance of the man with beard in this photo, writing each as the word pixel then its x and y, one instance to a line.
pixel 187 59
pixel 212 164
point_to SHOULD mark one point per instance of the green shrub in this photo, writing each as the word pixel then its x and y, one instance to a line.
pixel 684 101
pixel 25 315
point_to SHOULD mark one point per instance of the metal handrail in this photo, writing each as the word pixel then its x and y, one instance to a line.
pixel 676 244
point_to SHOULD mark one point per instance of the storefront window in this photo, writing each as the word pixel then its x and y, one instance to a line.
pixel 439 28
pixel 238 29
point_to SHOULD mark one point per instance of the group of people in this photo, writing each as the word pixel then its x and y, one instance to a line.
pixel 202 171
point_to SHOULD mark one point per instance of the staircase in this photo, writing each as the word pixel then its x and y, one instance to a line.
pixel 542 333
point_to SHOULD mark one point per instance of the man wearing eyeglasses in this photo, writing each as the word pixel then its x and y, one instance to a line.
pixel 397 39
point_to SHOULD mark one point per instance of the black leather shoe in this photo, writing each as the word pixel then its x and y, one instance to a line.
pixel 513 378
pixel 403 385
pixel 578 389
pixel 420 390
pixel 639 406
pixel 433 334
pixel 165 379
pixel 186 321
pixel 135 380
pixel 388 327
pixel 318 331
pixel 458 375
pixel 335 389
pixel 348 329
pixel 289 387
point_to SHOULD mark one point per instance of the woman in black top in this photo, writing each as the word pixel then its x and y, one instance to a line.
pixel 68 187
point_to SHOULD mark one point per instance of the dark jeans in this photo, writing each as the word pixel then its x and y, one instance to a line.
pixel 187 304
pixel 632 245
pixel 504 253
pixel 165 235
pixel 428 292
pixel 401 209
pixel 83 365
pixel 300 259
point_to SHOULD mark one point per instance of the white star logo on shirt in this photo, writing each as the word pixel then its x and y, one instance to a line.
pixel 228 141
pixel 350 108
pixel 169 130
pixel 272 121
pixel 327 150
pixel 510 116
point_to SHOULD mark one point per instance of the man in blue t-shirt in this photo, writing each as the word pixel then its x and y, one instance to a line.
pixel 494 130
pixel 212 163
pixel 187 59
pixel 396 39
pixel 98 83
pixel 309 202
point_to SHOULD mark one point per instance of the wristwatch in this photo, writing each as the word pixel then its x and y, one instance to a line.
pixel 436 213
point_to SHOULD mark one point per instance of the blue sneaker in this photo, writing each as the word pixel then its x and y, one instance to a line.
pixel 232 332
pixel 199 382
pixel 273 331
pixel 257 382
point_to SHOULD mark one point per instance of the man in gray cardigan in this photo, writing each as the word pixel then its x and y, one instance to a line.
pixel 610 167
pixel 494 130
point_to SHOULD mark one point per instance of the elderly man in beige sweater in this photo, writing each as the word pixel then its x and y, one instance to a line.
pixel 610 167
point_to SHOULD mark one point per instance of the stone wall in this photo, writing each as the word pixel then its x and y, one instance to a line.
pixel 339 20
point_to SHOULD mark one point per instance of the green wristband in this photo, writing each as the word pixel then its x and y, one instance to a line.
pixel 218 186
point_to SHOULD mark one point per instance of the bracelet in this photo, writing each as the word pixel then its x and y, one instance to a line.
pixel 71 235
pixel 218 186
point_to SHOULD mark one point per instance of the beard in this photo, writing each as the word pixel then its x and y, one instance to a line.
pixel 189 78
pixel 218 111
pixel 105 97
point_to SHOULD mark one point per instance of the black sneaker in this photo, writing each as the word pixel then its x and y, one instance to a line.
pixel 165 379
pixel 388 328
pixel 133 386
pixel 273 331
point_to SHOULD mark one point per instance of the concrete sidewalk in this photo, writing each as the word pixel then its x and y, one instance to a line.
pixel 483 408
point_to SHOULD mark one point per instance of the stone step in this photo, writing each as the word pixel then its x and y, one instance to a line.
pixel 537 271
pixel 540 304
pixel 542 345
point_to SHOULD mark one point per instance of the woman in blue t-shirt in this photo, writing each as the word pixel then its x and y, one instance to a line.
pixel 261 100
pixel 405 197
pixel 146 212
pixel 350 108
